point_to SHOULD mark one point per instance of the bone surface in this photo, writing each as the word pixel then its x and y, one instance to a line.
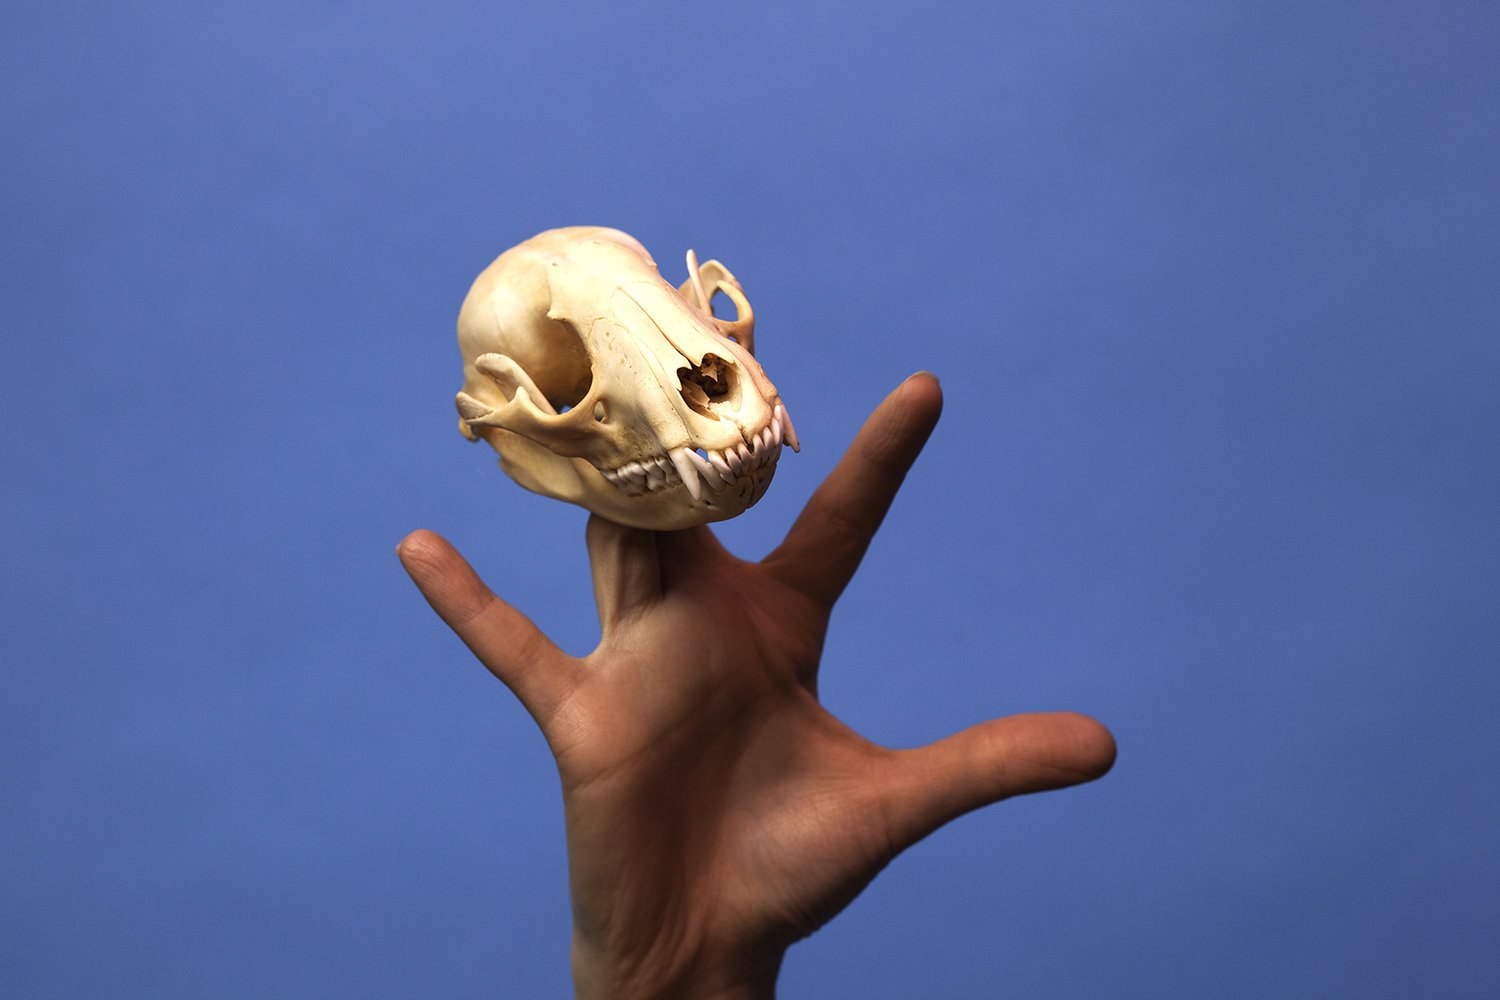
pixel 600 384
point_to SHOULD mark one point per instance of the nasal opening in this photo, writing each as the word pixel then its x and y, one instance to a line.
pixel 708 385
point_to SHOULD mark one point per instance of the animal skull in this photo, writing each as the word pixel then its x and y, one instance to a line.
pixel 600 384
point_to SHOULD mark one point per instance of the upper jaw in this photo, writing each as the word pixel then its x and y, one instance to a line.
pixel 705 472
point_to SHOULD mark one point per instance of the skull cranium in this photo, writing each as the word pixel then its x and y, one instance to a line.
pixel 601 384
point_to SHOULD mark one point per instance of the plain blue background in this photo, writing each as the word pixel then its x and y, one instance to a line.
pixel 1214 293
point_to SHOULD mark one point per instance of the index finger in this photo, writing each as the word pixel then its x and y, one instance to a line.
pixel 501 637
pixel 828 540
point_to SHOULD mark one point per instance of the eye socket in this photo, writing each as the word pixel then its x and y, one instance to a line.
pixel 553 354
pixel 716 307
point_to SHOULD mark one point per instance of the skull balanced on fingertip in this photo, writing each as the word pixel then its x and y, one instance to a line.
pixel 602 385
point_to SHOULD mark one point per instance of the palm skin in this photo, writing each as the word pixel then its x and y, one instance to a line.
pixel 716 812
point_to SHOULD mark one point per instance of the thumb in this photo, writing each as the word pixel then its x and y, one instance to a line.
pixel 505 640
pixel 995 760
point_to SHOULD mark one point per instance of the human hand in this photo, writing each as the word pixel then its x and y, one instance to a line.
pixel 716 813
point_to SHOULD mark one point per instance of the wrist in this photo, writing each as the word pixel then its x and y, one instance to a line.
pixel 597 977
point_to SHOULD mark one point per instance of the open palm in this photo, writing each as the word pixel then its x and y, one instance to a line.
pixel 716 812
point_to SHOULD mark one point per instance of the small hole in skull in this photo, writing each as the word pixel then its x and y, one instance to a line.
pixel 600 415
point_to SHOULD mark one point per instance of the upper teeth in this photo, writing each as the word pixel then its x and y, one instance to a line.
pixel 713 470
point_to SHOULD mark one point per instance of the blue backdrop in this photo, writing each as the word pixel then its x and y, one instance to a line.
pixel 1214 293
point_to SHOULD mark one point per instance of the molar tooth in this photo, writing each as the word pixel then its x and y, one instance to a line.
pixel 688 471
pixel 655 479
pixel 787 430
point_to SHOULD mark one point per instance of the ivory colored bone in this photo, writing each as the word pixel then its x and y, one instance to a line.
pixel 602 385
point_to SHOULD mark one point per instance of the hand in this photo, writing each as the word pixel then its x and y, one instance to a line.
pixel 716 812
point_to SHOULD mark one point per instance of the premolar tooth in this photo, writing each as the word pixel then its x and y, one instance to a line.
pixel 688 471
pixel 706 469
pixel 788 432
pixel 721 465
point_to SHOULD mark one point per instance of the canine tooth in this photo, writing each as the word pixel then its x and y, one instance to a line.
pixel 688 471
pixel 787 430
